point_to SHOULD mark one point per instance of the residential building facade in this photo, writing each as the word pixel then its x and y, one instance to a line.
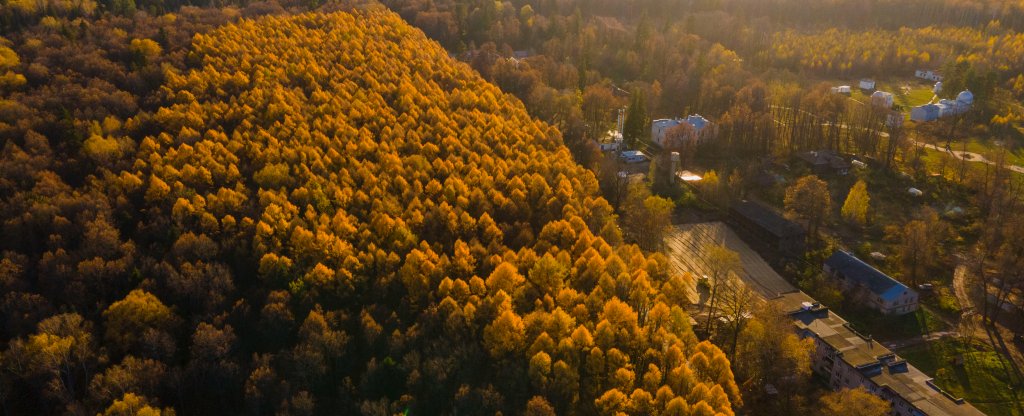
pixel 848 359
pixel 700 130
pixel 877 289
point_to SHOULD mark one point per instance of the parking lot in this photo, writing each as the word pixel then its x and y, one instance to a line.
pixel 685 246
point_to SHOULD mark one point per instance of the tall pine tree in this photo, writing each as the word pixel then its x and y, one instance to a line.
pixel 635 126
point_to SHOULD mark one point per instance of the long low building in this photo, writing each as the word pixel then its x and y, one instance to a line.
pixel 765 225
pixel 877 289
pixel 944 108
pixel 848 359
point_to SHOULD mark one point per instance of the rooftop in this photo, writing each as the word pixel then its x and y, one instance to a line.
pixel 856 269
pixel 687 176
pixel 824 158
pixel 696 120
pixel 879 364
pixel 768 219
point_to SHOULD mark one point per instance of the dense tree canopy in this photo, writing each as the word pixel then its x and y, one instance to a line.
pixel 326 214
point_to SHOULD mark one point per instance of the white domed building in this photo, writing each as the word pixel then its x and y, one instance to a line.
pixel 965 97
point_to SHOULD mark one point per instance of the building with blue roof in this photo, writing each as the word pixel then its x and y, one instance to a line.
pixel 633 156
pixel 879 291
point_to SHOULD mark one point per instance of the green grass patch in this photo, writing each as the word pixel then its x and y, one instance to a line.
pixel 942 297
pixel 891 328
pixel 985 379
pixel 917 95
pixel 907 92
pixel 950 167
pixel 989 149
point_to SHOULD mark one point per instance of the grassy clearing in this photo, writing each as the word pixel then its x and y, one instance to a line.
pixel 985 379
pixel 891 328
pixel 907 92
pixel 989 149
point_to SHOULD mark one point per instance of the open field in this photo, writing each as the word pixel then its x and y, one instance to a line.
pixel 896 329
pixel 907 92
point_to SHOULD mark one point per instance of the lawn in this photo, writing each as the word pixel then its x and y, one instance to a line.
pixel 937 161
pixel 985 379
pixel 906 92
pixel 988 149
pixel 892 328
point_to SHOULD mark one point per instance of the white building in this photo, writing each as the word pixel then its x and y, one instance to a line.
pixel 927 112
pixel 944 108
pixel 882 99
pixel 842 89
pixel 928 74
pixel 965 97
pixel 867 84
pixel 701 129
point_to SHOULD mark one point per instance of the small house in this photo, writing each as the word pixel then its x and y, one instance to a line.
pixel 928 74
pixel 825 161
pixel 881 99
pixel 880 291
pixel 842 89
pixel 611 141
pixel 867 84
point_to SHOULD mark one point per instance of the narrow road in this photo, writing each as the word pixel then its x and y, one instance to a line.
pixel 957 154
pixel 963 295
pixel 968 156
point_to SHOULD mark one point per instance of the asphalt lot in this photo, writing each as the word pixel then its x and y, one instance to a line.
pixel 685 243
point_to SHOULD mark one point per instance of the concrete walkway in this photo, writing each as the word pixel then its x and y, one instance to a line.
pixel 968 156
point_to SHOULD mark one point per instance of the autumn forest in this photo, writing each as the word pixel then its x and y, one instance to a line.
pixel 401 207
